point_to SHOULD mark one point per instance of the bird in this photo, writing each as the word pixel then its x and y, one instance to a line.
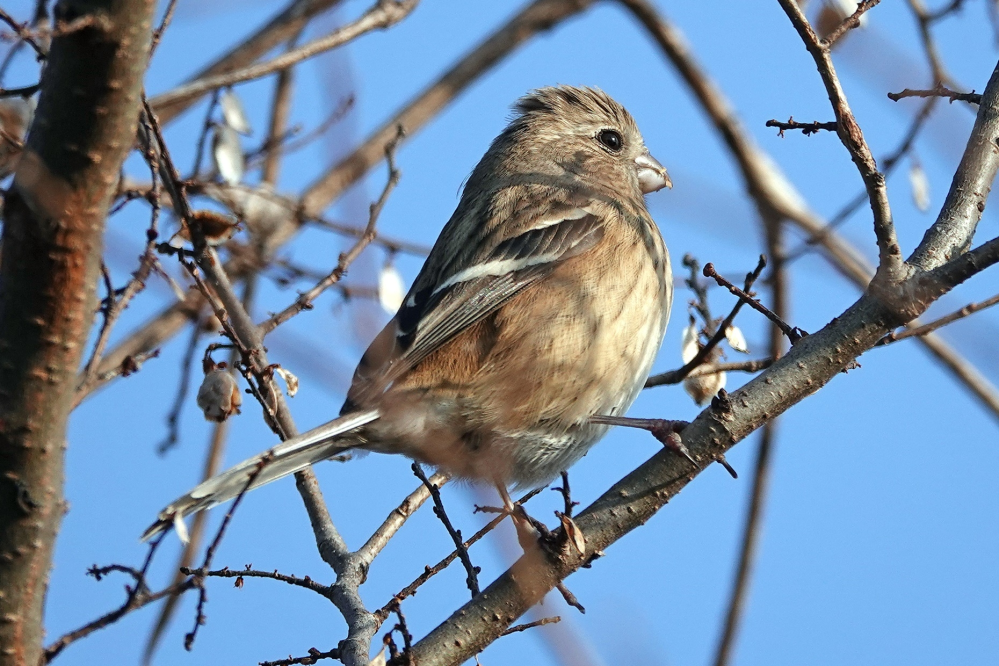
pixel 533 323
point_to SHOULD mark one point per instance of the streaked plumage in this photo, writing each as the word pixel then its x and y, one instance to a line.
pixel 543 303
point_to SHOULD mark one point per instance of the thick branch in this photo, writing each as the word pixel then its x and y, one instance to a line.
pixel 53 224
pixel 774 194
pixel 969 190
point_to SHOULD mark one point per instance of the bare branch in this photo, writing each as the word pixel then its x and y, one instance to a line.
pixel 813 127
pixel 939 91
pixel 923 329
pixel 890 255
pixel 313 656
pixel 398 518
pixel 969 189
pixel 383 14
pixel 774 195
pixel 473 579
pixel 304 301
pixel 793 333
pixel 530 625
pixel 849 23
pixel 678 375
pixel 279 29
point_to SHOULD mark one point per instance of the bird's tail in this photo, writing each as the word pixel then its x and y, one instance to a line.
pixel 286 458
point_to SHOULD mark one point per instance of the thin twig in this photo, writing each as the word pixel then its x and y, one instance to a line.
pixel 239 574
pixel 849 23
pixel 530 625
pixel 678 375
pixel 430 572
pixel 888 164
pixel 398 518
pixel 923 329
pixel 199 578
pixel 939 91
pixel 472 579
pixel 813 127
pixel 304 301
pixel 206 127
pixel 280 112
pixel 674 377
pixel 183 388
pixel 158 32
pixel 24 33
pixel 890 265
pixel 383 14
pixel 138 596
pixel 313 656
pixel 793 333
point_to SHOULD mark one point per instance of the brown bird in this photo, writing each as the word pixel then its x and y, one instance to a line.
pixel 540 309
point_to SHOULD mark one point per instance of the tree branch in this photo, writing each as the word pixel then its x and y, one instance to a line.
pixel 969 189
pixel 383 14
pixel 54 216
pixel 890 265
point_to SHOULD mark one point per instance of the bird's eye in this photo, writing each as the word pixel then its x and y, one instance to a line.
pixel 611 139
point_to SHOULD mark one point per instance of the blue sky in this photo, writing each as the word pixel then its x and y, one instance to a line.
pixel 880 536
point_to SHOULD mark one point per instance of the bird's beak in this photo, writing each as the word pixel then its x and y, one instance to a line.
pixel 652 175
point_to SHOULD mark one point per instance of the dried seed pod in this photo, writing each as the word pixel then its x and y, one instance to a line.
pixel 219 396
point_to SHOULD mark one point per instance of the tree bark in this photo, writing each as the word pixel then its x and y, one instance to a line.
pixel 54 218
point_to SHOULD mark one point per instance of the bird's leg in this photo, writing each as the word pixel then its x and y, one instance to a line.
pixel 666 431
pixel 527 534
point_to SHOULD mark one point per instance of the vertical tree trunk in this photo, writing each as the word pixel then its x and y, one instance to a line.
pixel 53 224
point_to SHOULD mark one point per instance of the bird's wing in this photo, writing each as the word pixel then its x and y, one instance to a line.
pixel 447 299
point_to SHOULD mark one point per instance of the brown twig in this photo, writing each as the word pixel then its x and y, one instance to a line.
pixel 569 597
pixel 239 574
pixel 198 578
pixel 916 329
pixel 313 656
pixel 206 127
pixel 793 333
pixel 304 301
pixel 383 14
pixel 26 91
pixel 430 572
pixel 183 388
pixel 849 23
pixel 377 541
pixel 939 91
pixel 566 494
pixel 280 112
pixel 24 33
pixel 283 144
pixel 678 375
pixel 472 579
pixel 138 596
pixel 674 376
pixel 888 164
pixel 890 264
pixel 530 625
pixel 813 127
pixel 164 24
